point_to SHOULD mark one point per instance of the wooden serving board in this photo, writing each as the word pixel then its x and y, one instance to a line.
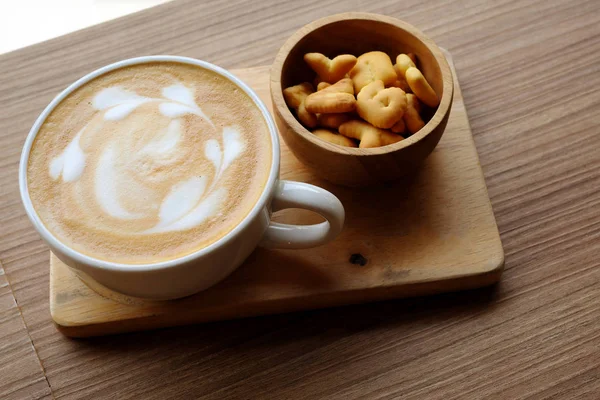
pixel 429 233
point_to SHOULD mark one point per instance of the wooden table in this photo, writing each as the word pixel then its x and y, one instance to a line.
pixel 530 75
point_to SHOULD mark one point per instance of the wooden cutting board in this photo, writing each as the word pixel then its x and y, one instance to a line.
pixel 429 233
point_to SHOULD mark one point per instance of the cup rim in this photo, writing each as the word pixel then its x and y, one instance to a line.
pixel 123 267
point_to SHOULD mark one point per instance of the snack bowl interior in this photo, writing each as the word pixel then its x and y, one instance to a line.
pixel 358 33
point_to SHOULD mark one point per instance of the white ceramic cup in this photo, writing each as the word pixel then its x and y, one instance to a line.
pixel 197 271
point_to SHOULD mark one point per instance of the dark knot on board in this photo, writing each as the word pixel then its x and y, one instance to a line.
pixel 358 259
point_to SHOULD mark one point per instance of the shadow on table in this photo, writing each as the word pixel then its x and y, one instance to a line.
pixel 268 356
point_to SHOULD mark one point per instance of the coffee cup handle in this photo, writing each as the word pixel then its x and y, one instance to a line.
pixel 289 194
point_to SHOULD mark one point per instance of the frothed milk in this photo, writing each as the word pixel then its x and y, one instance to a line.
pixel 149 162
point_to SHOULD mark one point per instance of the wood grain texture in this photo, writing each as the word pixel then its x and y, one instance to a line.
pixel 450 243
pixel 534 336
pixel 21 374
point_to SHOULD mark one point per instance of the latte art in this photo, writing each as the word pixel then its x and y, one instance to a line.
pixel 155 156
pixel 144 165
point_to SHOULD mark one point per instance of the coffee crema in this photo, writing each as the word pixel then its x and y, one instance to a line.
pixel 149 163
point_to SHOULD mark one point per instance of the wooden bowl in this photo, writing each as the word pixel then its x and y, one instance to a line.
pixel 358 33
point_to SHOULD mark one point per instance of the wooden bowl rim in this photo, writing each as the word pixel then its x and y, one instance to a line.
pixel 279 102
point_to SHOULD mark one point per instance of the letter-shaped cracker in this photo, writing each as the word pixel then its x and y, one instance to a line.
pixel 368 135
pixel 333 137
pixel 295 97
pixel 370 67
pixel 333 121
pixel 337 98
pixel 328 70
pixel 399 127
pixel 322 85
pixel 380 106
pixel 401 83
pixel 411 118
pixel 342 86
pixel 403 62
pixel 421 88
